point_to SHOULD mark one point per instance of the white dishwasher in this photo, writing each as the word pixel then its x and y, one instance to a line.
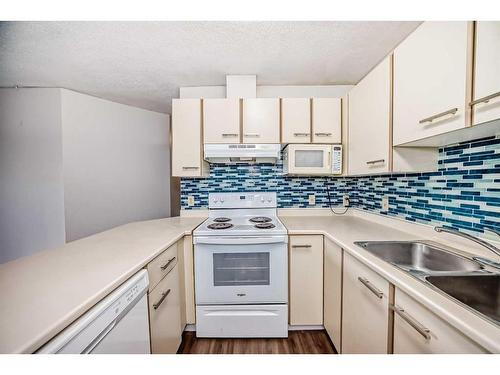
pixel 118 324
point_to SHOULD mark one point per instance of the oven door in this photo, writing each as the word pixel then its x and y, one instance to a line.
pixel 236 270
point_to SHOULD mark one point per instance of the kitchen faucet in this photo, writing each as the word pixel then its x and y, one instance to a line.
pixel 477 240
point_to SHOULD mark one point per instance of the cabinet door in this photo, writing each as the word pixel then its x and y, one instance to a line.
pixel 430 81
pixel 261 120
pixel 221 120
pixel 332 310
pixel 365 309
pixel 326 120
pixel 412 322
pixel 369 120
pixel 306 280
pixel 186 138
pixel 487 72
pixel 296 120
pixel 165 315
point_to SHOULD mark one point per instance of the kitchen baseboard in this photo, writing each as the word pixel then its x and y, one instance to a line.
pixel 306 328
pixel 192 328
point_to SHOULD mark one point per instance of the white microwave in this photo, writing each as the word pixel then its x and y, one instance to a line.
pixel 312 159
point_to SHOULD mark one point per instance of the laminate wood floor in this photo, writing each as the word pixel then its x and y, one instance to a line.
pixel 298 342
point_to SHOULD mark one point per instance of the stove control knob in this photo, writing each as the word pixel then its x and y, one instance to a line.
pixel 262 199
pixel 269 200
pixel 222 200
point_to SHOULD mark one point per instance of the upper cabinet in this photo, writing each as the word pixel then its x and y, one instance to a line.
pixel 221 120
pixel 326 120
pixel 261 120
pixel 369 122
pixel 187 157
pixel 296 120
pixel 486 94
pixel 430 81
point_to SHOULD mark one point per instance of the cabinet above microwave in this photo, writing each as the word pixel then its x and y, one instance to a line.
pixel 312 160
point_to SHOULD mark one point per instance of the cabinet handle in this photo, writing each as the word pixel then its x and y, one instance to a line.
pixel 375 161
pixel 229 135
pixel 432 118
pixel 370 286
pixel 301 246
pixel 424 331
pixel 160 301
pixel 485 99
pixel 251 135
pixel 323 134
pixel 301 134
pixel 190 168
pixel 165 266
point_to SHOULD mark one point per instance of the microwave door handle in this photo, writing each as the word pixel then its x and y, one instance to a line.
pixel 238 240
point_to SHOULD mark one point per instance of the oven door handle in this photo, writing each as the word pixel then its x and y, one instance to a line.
pixel 239 240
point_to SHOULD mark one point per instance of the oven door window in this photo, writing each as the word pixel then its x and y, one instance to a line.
pixel 235 269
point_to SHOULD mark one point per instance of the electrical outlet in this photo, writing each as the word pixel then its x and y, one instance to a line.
pixel 312 200
pixel 190 200
pixel 385 203
pixel 346 202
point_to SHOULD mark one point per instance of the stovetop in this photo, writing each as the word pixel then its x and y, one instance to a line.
pixel 241 214
pixel 240 223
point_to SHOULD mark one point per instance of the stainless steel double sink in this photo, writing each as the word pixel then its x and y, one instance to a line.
pixel 458 276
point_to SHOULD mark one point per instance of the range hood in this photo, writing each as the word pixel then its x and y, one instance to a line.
pixel 241 153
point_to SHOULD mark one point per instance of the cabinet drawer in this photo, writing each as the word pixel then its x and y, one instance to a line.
pixel 162 265
pixel 165 314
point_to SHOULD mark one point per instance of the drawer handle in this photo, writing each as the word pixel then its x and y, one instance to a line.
pixel 252 135
pixel 432 118
pixel 323 134
pixel 375 161
pixel 190 168
pixel 301 246
pixel 370 286
pixel 165 266
pixel 229 135
pixel 424 331
pixel 301 134
pixel 163 296
pixel 485 99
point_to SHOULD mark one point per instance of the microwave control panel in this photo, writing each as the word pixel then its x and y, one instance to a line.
pixel 337 159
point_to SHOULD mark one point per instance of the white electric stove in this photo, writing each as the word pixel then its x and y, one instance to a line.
pixel 241 268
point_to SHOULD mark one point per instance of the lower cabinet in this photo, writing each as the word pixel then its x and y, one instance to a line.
pixel 306 280
pixel 365 309
pixel 165 314
pixel 332 295
pixel 418 331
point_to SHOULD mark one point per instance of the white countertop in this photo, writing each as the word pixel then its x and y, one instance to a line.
pixel 345 230
pixel 45 292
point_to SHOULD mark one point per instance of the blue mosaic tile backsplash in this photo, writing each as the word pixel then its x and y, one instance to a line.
pixel 463 193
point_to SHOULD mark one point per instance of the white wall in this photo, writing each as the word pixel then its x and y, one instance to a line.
pixel 116 164
pixel 31 172
pixel 319 91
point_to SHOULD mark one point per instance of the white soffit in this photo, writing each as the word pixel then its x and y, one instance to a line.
pixel 144 63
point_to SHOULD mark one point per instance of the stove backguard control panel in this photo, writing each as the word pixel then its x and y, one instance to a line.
pixel 242 200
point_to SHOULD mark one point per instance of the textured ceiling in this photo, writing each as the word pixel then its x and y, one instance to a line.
pixel 144 63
